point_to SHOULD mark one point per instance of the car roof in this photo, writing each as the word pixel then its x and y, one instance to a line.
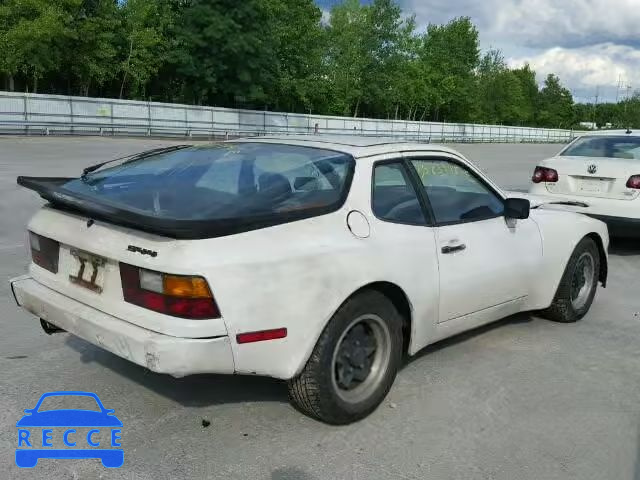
pixel 611 133
pixel 356 146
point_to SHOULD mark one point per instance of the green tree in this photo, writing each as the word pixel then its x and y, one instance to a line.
pixel 451 53
pixel 529 87
pixel 90 44
pixel 500 97
pixel 347 57
pixel 299 49
pixel 223 51
pixel 555 104
pixel 143 46
pixel 388 50
pixel 32 36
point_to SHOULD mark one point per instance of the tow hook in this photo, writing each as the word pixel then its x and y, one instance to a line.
pixel 50 328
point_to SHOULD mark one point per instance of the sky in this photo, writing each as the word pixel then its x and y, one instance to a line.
pixel 592 45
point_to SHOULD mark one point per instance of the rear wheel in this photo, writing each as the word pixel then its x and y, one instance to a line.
pixel 354 363
pixel 578 284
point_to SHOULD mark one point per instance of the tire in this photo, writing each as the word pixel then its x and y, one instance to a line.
pixel 565 308
pixel 327 389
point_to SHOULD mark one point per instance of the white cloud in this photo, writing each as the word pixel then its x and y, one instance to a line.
pixel 586 68
pixel 545 23
pixel 588 43
pixel 326 17
pixel 540 23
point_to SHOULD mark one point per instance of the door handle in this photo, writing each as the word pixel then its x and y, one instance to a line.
pixel 447 249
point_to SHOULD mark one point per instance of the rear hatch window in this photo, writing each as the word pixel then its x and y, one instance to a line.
pixel 218 189
pixel 606 146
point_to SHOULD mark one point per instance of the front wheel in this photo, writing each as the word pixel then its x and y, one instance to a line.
pixel 578 284
pixel 354 363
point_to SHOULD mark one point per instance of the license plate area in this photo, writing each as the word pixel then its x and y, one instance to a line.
pixel 592 186
pixel 87 270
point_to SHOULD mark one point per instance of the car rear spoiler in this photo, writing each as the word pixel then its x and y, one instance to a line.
pixel 51 189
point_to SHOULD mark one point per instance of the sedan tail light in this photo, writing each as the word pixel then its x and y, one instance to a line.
pixel 44 252
pixel 544 174
pixel 634 182
pixel 176 295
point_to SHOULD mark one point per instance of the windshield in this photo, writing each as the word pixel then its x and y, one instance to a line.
pixel 605 146
pixel 223 181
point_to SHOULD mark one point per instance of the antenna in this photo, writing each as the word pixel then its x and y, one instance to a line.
pixel 618 89
pixel 595 106
pixel 626 105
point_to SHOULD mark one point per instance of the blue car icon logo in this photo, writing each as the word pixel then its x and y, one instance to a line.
pixel 69 433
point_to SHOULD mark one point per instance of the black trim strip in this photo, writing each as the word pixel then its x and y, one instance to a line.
pixel 428 219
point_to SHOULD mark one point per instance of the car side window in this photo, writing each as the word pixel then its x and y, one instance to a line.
pixel 394 198
pixel 455 194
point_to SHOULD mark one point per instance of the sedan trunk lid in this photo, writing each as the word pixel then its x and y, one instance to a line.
pixel 601 177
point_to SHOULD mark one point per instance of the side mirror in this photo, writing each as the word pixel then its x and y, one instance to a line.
pixel 517 208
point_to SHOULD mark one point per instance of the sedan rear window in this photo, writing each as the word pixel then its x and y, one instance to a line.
pixel 224 181
pixel 605 146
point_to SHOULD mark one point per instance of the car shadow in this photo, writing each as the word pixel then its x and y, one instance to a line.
pixel 211 389
pixel 291 473
pixel 624 246
pixel 519 318
pixel 192 391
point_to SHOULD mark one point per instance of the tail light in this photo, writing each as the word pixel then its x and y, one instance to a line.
pixel 44 252
pixel 634 182
pixel 544 174
pixel 176 295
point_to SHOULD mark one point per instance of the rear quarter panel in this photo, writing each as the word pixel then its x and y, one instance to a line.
pixel 298 275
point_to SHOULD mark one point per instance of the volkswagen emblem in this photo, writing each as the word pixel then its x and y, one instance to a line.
pixel 592 169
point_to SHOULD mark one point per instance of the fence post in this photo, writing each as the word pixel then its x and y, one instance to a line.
pixel 148 118
pixel 71 112
pixel 186 122
pixel 113 132
pixel 26 113
pixel 213 122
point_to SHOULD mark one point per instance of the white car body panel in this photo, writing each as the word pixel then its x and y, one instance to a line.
pixel 296 275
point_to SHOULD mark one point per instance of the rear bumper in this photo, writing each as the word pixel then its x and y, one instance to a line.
pixel 621 226
pixel 157 352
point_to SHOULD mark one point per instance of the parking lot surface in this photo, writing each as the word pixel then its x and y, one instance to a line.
pixel 521 399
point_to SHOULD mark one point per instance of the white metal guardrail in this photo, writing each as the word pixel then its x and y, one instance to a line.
pixel 35 114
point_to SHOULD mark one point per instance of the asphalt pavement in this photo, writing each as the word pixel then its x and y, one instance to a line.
pixel 520 399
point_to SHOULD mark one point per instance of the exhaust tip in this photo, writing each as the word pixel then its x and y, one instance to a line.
pixel 50 328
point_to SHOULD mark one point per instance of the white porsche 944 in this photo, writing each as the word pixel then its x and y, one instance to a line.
pixel 601 173
pixel 316 260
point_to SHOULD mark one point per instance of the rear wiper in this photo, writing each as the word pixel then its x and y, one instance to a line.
pixel 567 202
pixel 131 158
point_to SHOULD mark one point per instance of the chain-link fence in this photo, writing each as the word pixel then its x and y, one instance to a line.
pixel 34 114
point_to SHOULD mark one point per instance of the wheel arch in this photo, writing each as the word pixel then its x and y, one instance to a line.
pixel 400 301
pixel 604 264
